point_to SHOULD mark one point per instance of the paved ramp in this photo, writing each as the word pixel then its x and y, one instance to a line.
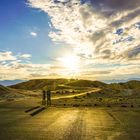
pixel 70 124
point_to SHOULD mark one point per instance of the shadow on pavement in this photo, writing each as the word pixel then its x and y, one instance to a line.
pixel 31 109
pixel 37 111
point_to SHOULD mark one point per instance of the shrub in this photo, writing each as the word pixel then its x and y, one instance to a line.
pixel 100 99
pixel 95 104
pixel 88 105
pixel 123 106
pixel 76 105
pixel 75 97
pixel 84 96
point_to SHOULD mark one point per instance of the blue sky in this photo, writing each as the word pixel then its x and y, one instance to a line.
pixel 18 21
pixel 88 39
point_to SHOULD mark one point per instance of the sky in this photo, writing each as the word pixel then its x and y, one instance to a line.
pixel 84 39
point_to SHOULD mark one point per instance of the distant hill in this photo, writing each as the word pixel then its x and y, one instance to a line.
pixel 133 84
pixel 130 87
pixel 38 84
pixel 119 89
pixel 87 83
pixel 10 82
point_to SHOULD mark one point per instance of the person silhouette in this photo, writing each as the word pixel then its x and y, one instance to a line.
pixel 44 97
pixel 48 97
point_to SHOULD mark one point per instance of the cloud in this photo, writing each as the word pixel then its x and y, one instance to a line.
pixel 9 65
pixel 19 69
pixel 34 34
pixel 5 56
pixel 99 31
pixel 133 53
pixel 14 66
pixel 90 27
pixel 26 56
pixel 116 4
pixel 9 56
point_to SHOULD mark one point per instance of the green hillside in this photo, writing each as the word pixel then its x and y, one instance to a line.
pixel 87 83
pixel 114 89
pixel 132 84
pixel 7 93
pixel 38 84
pixel 4 90
pixel 128 85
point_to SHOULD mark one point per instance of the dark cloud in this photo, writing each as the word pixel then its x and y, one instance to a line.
pixel 96 36
pixel 137 25
pixel 133 52
pixel 117 4
pixel 98 39
pixel 92 73
pixel 96 28
pixel 126 18
pixel 106 52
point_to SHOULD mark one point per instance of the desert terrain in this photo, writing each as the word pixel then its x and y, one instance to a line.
pixel 80 110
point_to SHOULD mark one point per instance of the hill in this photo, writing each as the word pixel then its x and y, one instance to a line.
pixel 38 84
pixel 132 84
pixel 127 85
pixel 4 90
pixel 120 89
pixel 114 89
pixel 87 83
pixel 7 93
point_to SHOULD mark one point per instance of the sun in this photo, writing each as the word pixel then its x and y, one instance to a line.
pixel 70 62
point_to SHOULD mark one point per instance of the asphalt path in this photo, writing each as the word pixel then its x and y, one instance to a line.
pixel 70 124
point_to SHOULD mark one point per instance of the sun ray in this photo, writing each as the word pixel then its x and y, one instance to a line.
pixel 70 62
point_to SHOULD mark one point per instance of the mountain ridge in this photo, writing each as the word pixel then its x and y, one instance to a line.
pixel 39 84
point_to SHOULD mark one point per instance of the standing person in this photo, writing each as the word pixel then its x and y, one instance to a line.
pixel 48 98
pixel 43 97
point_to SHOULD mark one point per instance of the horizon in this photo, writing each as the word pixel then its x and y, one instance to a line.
pixel 74 39
pixel 14 82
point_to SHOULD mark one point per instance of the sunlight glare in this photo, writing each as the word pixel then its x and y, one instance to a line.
pixel 71 62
